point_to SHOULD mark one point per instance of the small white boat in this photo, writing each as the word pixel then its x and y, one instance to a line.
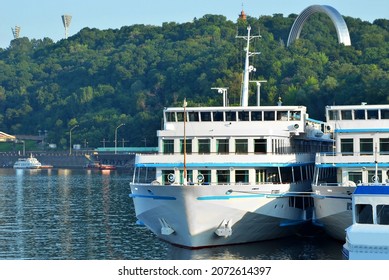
pixel 27 163
pixel 368 237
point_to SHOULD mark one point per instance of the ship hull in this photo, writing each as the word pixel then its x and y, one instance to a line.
pixel 205 216
pixel 333 210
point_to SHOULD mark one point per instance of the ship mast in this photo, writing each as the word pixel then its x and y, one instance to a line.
pixel 185 172
pixel 247 68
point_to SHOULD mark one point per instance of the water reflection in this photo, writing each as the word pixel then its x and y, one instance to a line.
pixel 316 247
pixel 87 214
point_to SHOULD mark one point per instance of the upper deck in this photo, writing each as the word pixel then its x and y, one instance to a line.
pixel 360 131
pixel 235 121
pixel 358 118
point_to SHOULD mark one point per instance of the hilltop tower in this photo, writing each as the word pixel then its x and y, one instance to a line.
pixel 16 32
pixel 66 19
pixel 242 15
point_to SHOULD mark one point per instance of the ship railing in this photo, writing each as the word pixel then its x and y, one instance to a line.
pixel 280 151
pixel 148 179
pixel 225 158
pixel 340 184
pixel 351 157
pixel 324 184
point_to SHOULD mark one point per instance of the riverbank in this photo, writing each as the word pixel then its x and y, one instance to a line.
pixel 78 159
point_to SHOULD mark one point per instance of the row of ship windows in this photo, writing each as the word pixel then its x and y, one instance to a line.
pixel 366 146
pixel 220 116
pixel 223 176
pixel 260 146
pixel 222 146
pixel 358 177
pixel 358 114
pixel 364 214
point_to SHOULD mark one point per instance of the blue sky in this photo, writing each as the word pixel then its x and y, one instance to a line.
pixel 42 18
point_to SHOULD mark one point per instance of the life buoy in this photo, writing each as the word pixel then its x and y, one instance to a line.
pixel 200 178
pixel 171 178
pixel 375 178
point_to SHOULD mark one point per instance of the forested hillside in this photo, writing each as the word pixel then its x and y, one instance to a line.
pixel 99 79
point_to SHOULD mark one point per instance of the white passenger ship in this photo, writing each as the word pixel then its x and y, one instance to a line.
pixel 361 134
pixel 27 163
pixel 228 175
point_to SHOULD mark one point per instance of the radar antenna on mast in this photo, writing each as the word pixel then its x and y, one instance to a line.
pixel 247 68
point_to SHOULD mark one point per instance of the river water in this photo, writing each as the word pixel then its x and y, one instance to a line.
pixel 64 214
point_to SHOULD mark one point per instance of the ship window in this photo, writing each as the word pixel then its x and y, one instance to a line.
pixel 385 114
pixel 372 114
pixel 189 176
pixel 269 116
pixel 347 146
pixel 230 116
pixel 272 177
pixel 206 175
pixel 205 116
pixel 295 115
pixel 383 214
pixel 193 116
pixel 297 173
pixel 242 176
pixel 355 177
pixel 222 146
pixel 364 213
pixel 366 146
pixel 333 115
pixel 346 114
pixel 371 175
pixel 241 146
pixel 223 176
pixel 180 116
pixel 168 146
pixel 170 116
pixel 204 146
pixel 282 115
pixel 256 116
pixel 218 116
pixel 359 114
pixel 384 146
pixel 260 146
pixel 260 175
pixel 188 146
pixel 166 175
pixel 244 116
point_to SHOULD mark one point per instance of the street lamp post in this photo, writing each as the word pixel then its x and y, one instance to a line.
pixel 70 139
pixel 116 136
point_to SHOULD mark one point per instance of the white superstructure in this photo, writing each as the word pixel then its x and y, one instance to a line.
pixel 361 134
pixel 227 175
pixel 368 237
